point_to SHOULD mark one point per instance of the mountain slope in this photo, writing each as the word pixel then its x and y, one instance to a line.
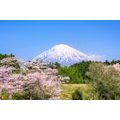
pixel 63 54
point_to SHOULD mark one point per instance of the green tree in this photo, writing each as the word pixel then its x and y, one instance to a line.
pixel 105 81
pixel 76 72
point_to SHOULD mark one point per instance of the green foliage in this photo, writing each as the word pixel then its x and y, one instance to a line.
pixel 57 65
pixel 2 56
pixel 76 72
pixel 105 81
pixel 74 75
pixel 4 95
pixel 17 71
pixel 82 67
pixel 18 96
pixel 20 71
pixel 111 62
pixel 77 95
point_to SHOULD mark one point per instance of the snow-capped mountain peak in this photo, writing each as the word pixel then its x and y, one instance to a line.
pixel 63 54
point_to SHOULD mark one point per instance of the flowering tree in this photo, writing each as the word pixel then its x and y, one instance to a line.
pixel 117 67
pixel 41 84
pixel 105 81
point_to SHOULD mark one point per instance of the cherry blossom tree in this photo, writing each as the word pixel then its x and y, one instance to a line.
pixel 44 82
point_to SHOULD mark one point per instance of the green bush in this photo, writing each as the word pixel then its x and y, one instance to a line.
pixel 77 95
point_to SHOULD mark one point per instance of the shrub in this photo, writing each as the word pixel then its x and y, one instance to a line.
pixel 77 95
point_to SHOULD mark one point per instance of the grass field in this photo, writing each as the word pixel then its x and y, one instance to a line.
pixel 68 89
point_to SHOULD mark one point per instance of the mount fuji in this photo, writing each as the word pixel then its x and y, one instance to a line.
pixel 65 55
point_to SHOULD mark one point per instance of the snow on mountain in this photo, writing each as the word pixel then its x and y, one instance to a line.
pixel 65 55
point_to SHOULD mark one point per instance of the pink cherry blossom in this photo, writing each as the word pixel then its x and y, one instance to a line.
pixel 15 82
pixel 117 67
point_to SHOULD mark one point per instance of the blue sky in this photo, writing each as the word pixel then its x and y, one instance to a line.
pixel 27 39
